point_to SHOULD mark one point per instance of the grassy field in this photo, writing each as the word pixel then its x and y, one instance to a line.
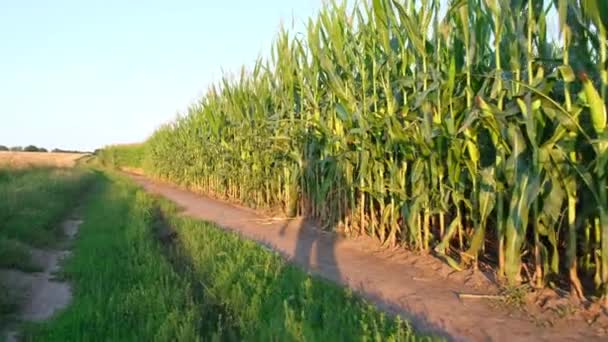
pixel 205 284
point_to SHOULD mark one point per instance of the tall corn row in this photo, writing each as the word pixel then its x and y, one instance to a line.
pixel 471 134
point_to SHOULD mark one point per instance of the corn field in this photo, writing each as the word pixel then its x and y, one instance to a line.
pixel 459 129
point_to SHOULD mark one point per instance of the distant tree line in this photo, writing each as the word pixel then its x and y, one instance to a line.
pixel 28 148
pixel 33 148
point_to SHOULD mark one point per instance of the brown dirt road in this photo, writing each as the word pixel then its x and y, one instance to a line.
pixel 420 288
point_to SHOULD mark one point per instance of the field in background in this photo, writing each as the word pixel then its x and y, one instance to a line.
pixel 28 159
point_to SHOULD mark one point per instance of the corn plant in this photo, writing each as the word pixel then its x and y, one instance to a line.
pixel 464 130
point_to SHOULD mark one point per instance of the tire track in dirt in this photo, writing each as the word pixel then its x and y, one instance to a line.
pixel 420 288
pixel 40 295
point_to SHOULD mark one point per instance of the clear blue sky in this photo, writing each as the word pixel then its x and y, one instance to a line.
pixel 80 74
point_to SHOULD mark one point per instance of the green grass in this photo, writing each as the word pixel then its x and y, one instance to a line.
pixel 131 155
pixel 32 204
pixel 207 284
pixel 8 303
pixel 34 201
pixel 124 289
pixel 16 255
pixel 267 299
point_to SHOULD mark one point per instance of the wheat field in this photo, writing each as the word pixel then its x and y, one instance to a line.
pixel 28 159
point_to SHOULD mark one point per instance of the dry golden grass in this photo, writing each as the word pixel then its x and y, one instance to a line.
pixel 28 159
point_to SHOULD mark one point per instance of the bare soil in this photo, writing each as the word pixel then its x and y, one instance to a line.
pixel 40 295
pixel 419 288
pixel 28 159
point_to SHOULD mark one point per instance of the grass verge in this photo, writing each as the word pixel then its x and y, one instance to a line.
pixel 142 272
pixel 124 289
pixel 264 298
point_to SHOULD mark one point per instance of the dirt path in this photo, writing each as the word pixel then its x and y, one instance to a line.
pixel 418 287
pixel 40 294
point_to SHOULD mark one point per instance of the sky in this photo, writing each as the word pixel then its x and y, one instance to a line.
pixel 78 74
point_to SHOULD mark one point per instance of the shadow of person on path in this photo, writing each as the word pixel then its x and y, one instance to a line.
pixel 323 204
pixel 248 293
